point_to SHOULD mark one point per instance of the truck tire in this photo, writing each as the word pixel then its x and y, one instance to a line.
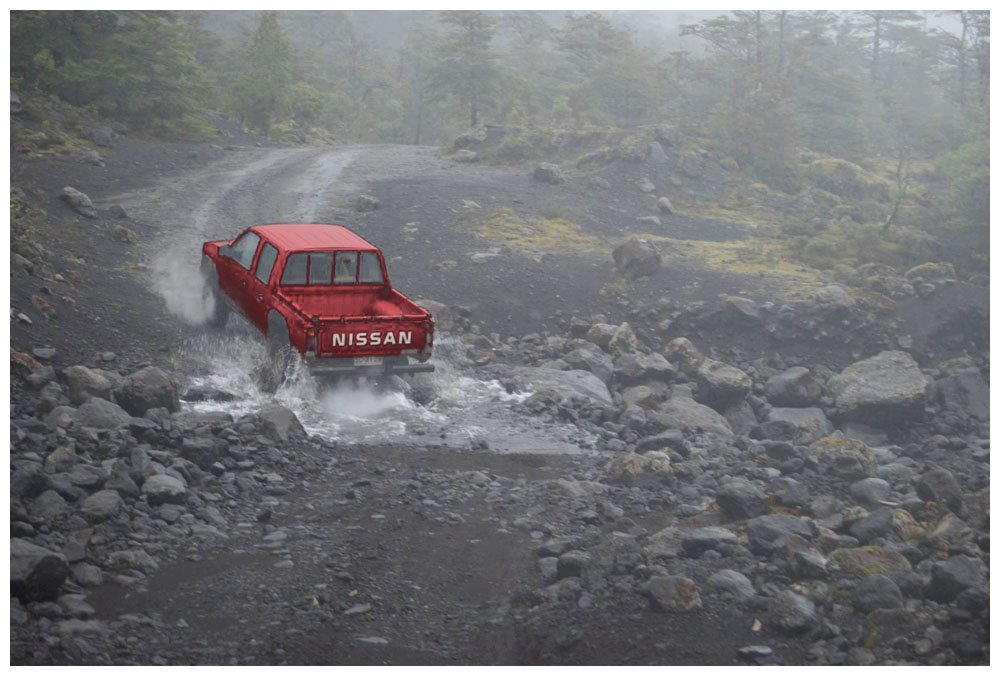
pixel 220 309
pixel 280 356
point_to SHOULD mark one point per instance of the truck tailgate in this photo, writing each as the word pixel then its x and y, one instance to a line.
pixel 367 337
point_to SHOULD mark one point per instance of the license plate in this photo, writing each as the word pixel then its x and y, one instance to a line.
pixel 368 361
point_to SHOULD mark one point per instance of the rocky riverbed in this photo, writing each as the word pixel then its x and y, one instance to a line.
pixel 669 477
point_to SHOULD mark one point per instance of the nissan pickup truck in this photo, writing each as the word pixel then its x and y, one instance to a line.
pixel 320 291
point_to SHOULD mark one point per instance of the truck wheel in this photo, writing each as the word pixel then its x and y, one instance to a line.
pixel 280 356
pixel 220 310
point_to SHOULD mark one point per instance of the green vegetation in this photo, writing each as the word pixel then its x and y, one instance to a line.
pixel 873 125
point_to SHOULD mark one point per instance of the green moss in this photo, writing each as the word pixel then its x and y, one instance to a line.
pixel 847 179
pixel 539 235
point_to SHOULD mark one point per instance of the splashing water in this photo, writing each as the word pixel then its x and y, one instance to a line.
pixel 456 409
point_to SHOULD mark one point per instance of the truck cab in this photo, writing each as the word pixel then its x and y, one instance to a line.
pixel 323 292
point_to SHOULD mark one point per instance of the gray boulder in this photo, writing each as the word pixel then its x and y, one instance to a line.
pixel 101 414
pixel 940 485
pixel 766 533
pixel 590 358
pixel 882 390
pixel 665 205
pixel 731 582
pixel 799 425
pixel 680 412
pixel 876 591
pixel 674 594
pixel 101 506
pixel 367 203
pixel 547 172
pixel 635 369
pixel 952 577
pixel 742 500
pixel 637 258
pixel 164 488
pixel 567 385
pixel 79 202
pixel 792 614
pixel 83 383
pixel 700 540
pixel 148 388
pixel 843 458
pixel 36 573
pixel 796 387
pixel 965 390
pixel 280 424
pixel 721 385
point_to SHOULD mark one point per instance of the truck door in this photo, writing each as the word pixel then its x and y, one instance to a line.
pixel 256 299
pixel 234 267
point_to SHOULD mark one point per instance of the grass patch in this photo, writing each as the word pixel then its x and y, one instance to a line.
pixel 536 236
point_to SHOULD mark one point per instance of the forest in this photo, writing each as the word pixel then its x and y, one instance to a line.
pixel 895 103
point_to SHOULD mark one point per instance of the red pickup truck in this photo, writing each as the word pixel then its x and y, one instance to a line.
pixel 322 291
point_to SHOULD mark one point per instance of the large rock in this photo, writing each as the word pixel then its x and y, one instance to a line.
pixel 732 582
pixel 965 390
pixel 681 412
pixel 940 485
pixel 792 614
pixel 799 425
pixel 148 388
pixel 101 506
pixel 83 383
pixel 591 358
pixel 164 488
pixel 796 387
pixel 636 368
pixel 280 423
pixel 637 258
pixel 547 172
pixel 766 533
pixel 630 468
pixel 674 594
pixel 843 458
pixel 883 390
pixel 36 573
pixel 684 354
pixel 623 340
pixel 566 385
pixel 742 500
pixel 444 319
pixel 79 202
pixel 949 578
pixel 101 414
pixel 721 385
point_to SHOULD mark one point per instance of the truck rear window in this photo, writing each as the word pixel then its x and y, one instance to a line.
pixel 344 267
pixel 307 268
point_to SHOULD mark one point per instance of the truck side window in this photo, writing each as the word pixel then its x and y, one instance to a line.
pixel 347 267
pixel 265 262
pixel 295 269
pixel 370 272
pixel 244 248
pixel 320 268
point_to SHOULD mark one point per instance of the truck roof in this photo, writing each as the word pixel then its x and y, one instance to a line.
pixel 312 236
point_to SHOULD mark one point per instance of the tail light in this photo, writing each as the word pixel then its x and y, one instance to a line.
pixel 311 342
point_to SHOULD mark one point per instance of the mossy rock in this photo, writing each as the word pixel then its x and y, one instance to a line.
pixel 846 179
pixel 844 458
pixel 931 272
pixel 867 560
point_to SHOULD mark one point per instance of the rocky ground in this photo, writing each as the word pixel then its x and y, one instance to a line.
pixel 731 475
